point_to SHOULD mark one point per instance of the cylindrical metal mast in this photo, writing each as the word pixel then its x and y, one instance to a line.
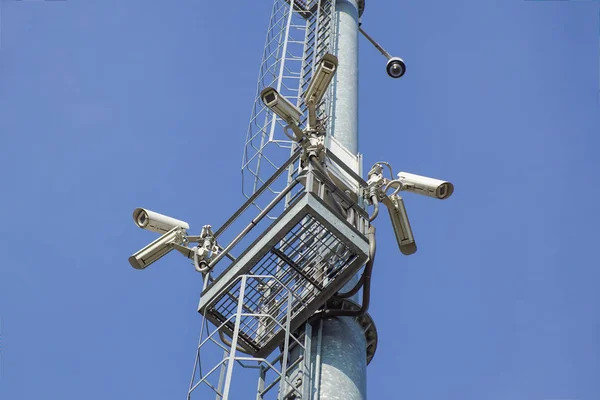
pixel 345 96
pixel 339 354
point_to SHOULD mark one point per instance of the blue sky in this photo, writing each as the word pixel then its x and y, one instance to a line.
pixel 110 105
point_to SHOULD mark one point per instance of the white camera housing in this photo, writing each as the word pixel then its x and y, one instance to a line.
pixel 401 224
pixel 156 222
pixel 395 67
pixel 157 249
pixel 426 186
pixel 281 106
pixel 321 79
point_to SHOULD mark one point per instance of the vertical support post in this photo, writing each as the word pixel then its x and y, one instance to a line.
pixel 198 361
pixel 261 383
pixel 306 370
pixel 341 362
pixel 316 363
pixel 234 339
pixel 221 377
pixel 286 349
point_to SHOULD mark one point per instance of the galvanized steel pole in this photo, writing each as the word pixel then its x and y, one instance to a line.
pixel 339 346
pixel 345 96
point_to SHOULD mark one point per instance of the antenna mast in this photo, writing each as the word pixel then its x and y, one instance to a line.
pixel 282 276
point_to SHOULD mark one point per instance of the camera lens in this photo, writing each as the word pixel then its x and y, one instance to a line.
pixel 396 68
pixel 442 192
pixel 142 219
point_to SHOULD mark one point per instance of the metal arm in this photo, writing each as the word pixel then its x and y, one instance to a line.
pixel 377 46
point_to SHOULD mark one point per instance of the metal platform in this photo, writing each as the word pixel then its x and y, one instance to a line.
pixel 275 268
pixel 309 251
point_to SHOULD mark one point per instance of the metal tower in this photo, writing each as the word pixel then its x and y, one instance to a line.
pixel 280 302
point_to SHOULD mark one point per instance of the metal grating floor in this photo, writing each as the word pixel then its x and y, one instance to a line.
pixel 303 264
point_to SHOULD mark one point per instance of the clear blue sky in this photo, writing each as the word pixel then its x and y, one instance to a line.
pixel 110 105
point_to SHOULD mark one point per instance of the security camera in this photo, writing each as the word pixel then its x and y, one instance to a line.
pixel 156 222
pixel 281 106
pixel 321 79
pixel 401 224
pixel 430 187
pixel 395 67
pixel 158 248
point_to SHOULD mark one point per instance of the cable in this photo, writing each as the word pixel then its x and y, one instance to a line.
pixel 227 342
pixel 352 291
pixel 391 183
pixel 387 165
pixel 197 266
pixel 376 210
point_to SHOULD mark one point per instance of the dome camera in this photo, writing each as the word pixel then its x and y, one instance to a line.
pixel 395 67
